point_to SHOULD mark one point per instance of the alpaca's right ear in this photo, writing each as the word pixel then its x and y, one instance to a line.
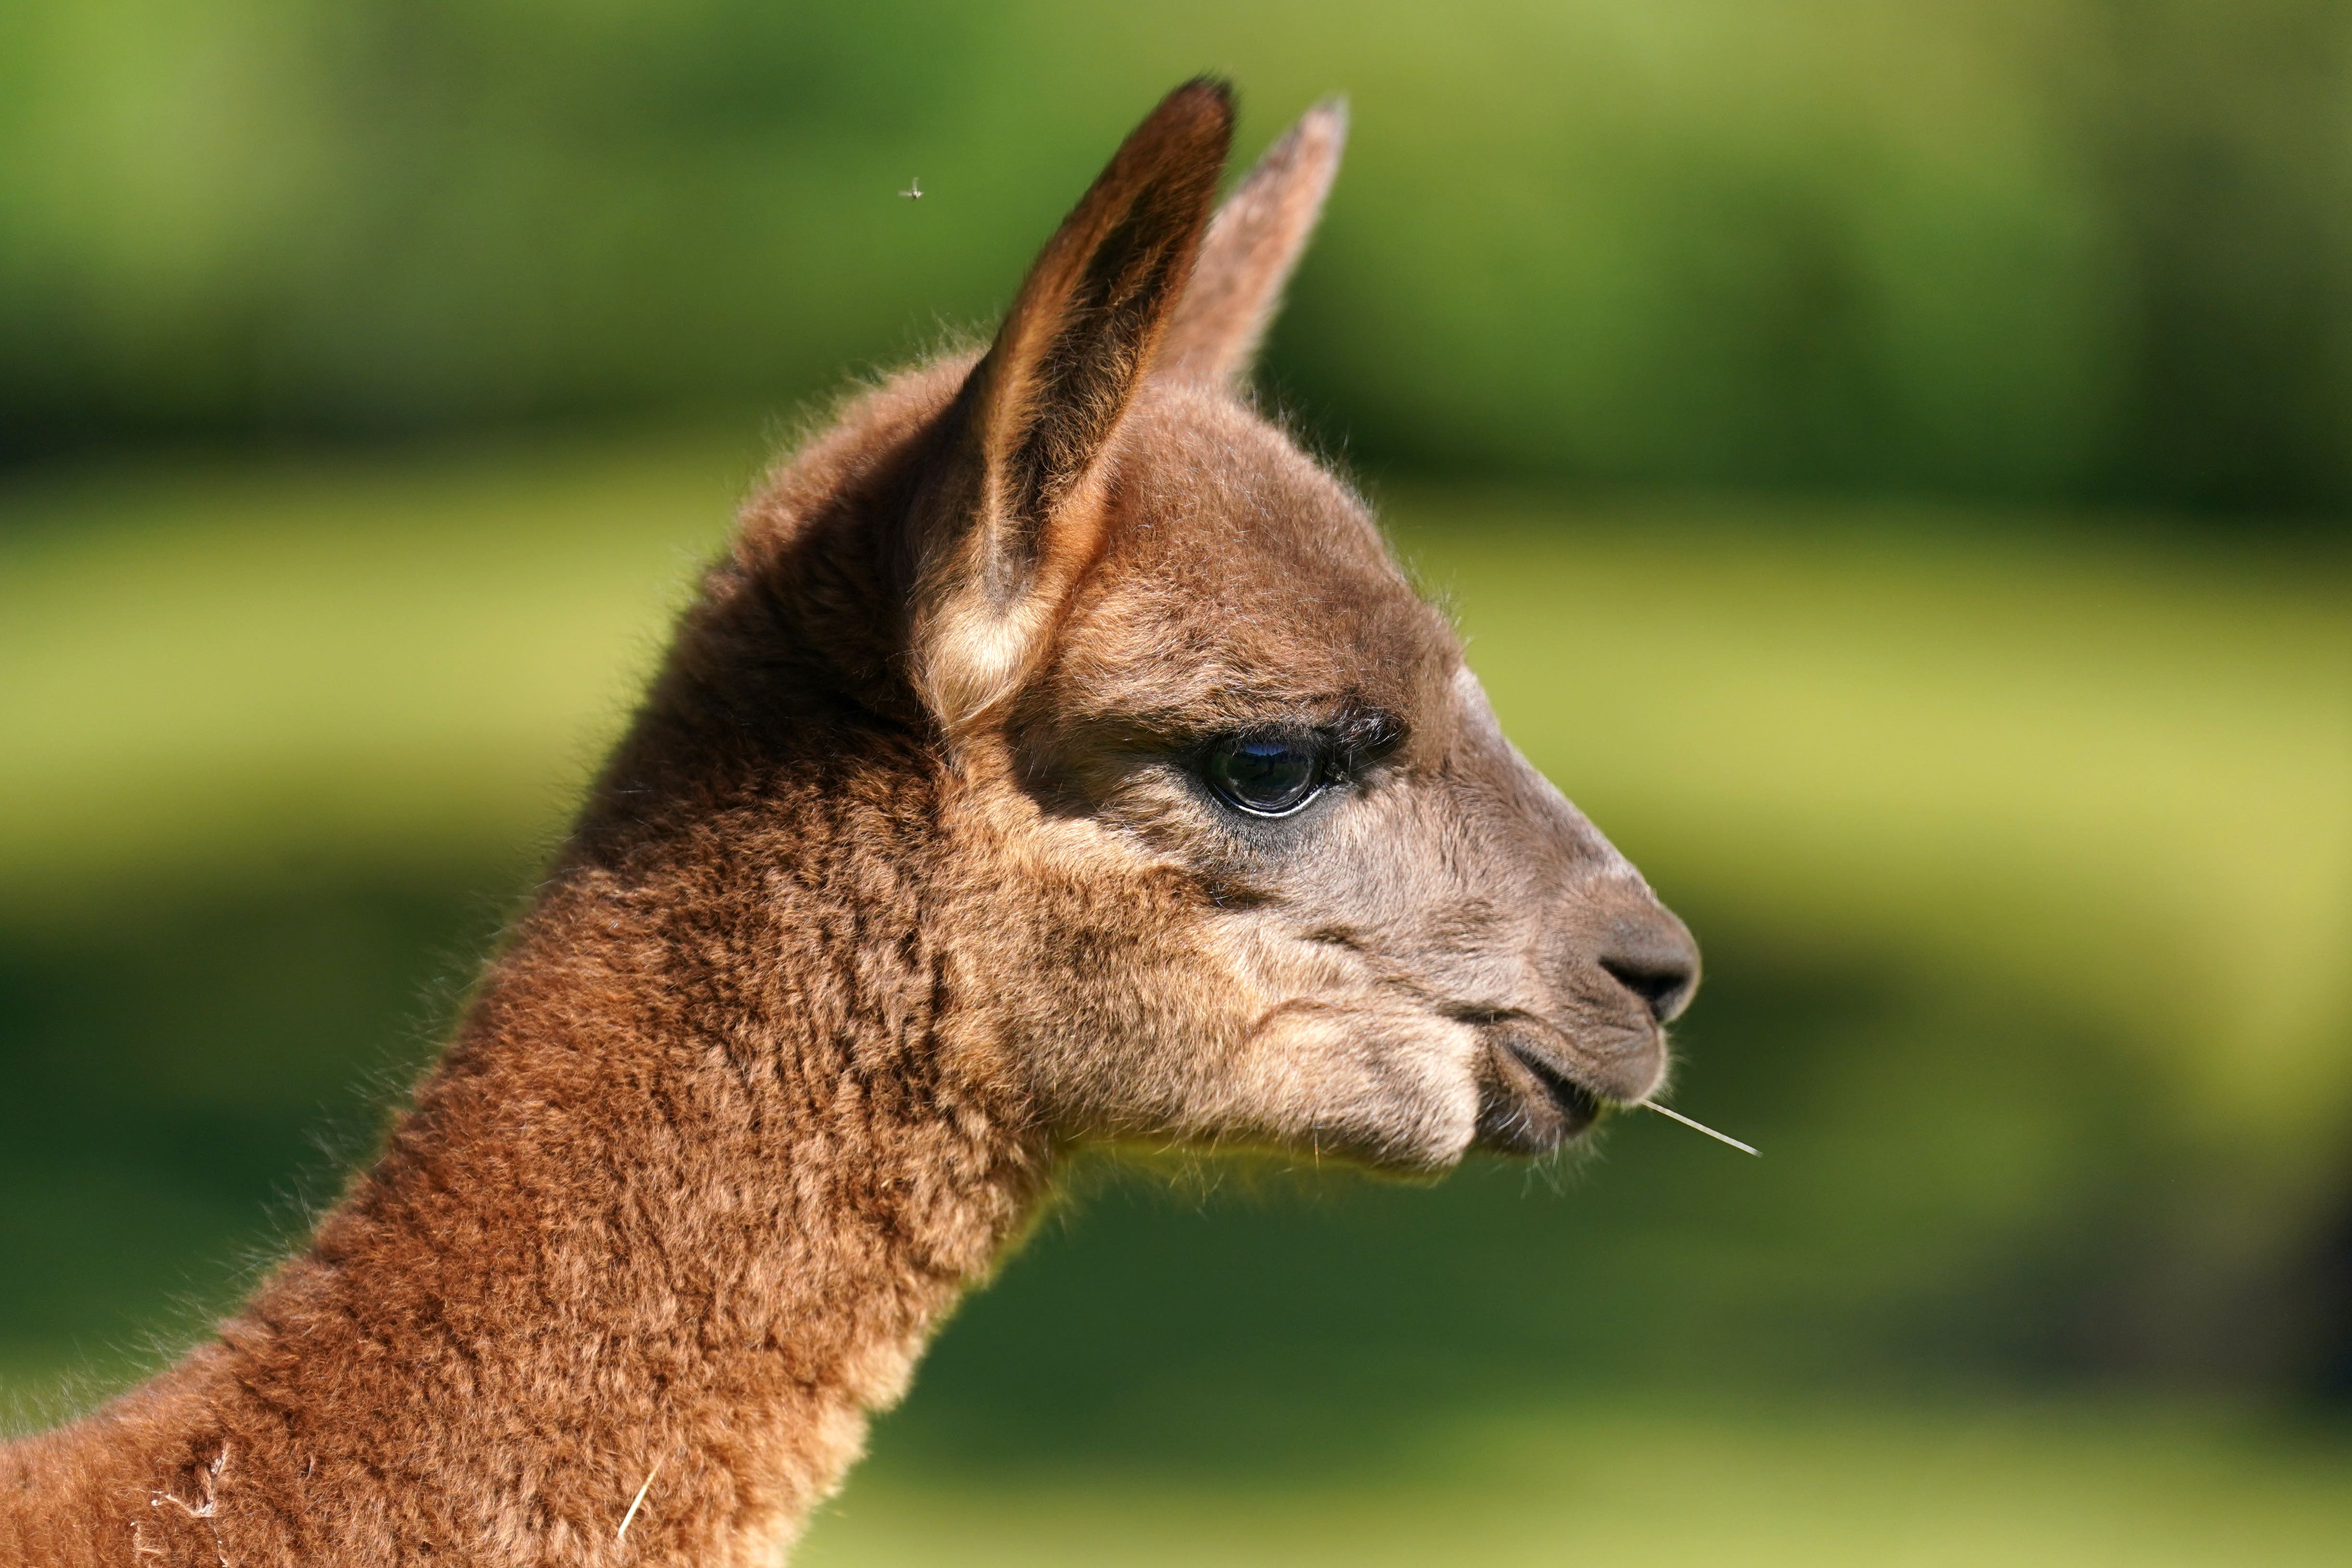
pixel 1013 514
pixel 1252 249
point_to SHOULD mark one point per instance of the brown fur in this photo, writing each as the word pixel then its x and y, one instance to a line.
pixel 905 882
pixel 1248 255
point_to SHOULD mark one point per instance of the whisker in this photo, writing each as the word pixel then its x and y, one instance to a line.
pixel 1701 1127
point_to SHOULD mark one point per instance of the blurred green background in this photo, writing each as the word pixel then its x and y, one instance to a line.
pixel 1892 464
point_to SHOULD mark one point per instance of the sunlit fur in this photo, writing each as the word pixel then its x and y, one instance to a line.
pixel 905 885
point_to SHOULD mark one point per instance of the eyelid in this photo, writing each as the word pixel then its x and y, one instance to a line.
pixel 1370 733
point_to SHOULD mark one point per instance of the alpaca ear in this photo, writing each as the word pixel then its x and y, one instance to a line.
pixel 1014 515
pixel 1251 250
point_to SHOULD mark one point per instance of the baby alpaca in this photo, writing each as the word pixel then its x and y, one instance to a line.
pixel 1055 757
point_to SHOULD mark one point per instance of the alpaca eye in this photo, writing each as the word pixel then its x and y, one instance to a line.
pixel 1266 775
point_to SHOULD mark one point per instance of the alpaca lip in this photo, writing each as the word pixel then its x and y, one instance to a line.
pixel 1531 1106
pixel 1580 1105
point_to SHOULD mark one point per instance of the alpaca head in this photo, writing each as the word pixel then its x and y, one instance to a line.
pixel 1230 848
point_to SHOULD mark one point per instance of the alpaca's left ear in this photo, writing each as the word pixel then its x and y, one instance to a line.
pixel 1013 514
pixel 1252 249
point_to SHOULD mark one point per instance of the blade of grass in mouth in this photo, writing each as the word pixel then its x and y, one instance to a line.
pixel 1701 1127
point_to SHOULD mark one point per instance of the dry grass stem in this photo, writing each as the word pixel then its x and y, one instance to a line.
pixel 1702 1127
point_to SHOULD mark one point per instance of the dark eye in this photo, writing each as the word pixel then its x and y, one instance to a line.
pixel 1266 775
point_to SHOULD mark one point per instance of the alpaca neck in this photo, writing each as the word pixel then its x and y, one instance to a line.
pixel 694 1184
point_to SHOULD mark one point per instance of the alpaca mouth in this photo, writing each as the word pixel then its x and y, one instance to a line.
pixel 1528 1105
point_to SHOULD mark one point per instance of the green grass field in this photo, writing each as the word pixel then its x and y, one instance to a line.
pixel 1918 1488
pixel 2022 847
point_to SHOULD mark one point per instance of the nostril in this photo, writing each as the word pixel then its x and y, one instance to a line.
pixel 1664 985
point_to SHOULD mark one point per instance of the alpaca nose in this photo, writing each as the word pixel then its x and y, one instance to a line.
pixel 1654 956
